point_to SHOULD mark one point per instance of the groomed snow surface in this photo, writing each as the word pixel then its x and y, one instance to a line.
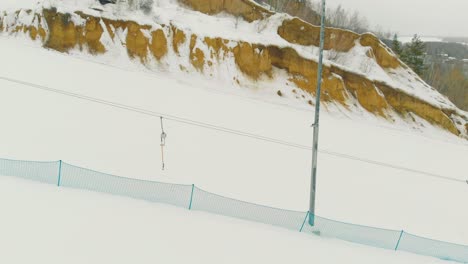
pixel 44 224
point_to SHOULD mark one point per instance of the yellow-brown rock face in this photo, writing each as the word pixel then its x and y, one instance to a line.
pixel 244 8
pixel 158 44
pixel 197 57
pixel 137 43
pixel 65 35
pixel 253 60
pixel 383 55
pixel 178 37
pixel 299 32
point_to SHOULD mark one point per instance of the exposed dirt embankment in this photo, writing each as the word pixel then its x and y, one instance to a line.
pixel 298 31
pixel 34 32
pixel 244 8
pixel 63 32
pixel 338 84
pixel 64 35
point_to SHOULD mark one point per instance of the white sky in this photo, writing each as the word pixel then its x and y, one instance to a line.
pixel 408 17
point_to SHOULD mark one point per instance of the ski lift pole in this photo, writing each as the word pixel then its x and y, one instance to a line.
pixel 316 121
pixel 163 142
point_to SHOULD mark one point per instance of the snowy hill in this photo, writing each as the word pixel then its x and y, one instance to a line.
pixel 40 125
pixel 245 45
pixel 407 186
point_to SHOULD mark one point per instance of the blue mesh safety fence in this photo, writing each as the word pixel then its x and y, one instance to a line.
pixel 46 172
pixel 434 248
pixel 191 197
pixel 376 237
pixel 213 203
pixel 174 194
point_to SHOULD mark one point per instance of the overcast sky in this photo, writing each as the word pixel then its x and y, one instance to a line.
pixel 408 17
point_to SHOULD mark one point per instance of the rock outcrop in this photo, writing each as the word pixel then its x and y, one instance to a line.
pixel 247 9
pixel 64 32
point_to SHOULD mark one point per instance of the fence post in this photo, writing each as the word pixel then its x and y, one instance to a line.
pixel 307 215
pixel 59 173
pixel 399 239
pixel 191 197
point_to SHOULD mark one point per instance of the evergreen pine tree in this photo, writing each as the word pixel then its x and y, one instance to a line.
pixel 396 46
pixel 413 55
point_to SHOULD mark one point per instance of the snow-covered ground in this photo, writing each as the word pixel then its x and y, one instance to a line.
pixel 45 224
pixel 53 224
pixel 38 125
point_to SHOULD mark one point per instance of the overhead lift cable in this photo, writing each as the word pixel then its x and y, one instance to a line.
pixel 251 98
pixel 228 130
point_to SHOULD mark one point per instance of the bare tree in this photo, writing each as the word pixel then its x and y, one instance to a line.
pixel 337 17
pixel 358 23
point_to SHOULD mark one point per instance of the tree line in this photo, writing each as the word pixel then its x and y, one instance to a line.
pixel 449 75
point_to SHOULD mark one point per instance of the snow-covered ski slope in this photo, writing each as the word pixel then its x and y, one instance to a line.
pixel 40 125
pixel 46 224
pixel 19 16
